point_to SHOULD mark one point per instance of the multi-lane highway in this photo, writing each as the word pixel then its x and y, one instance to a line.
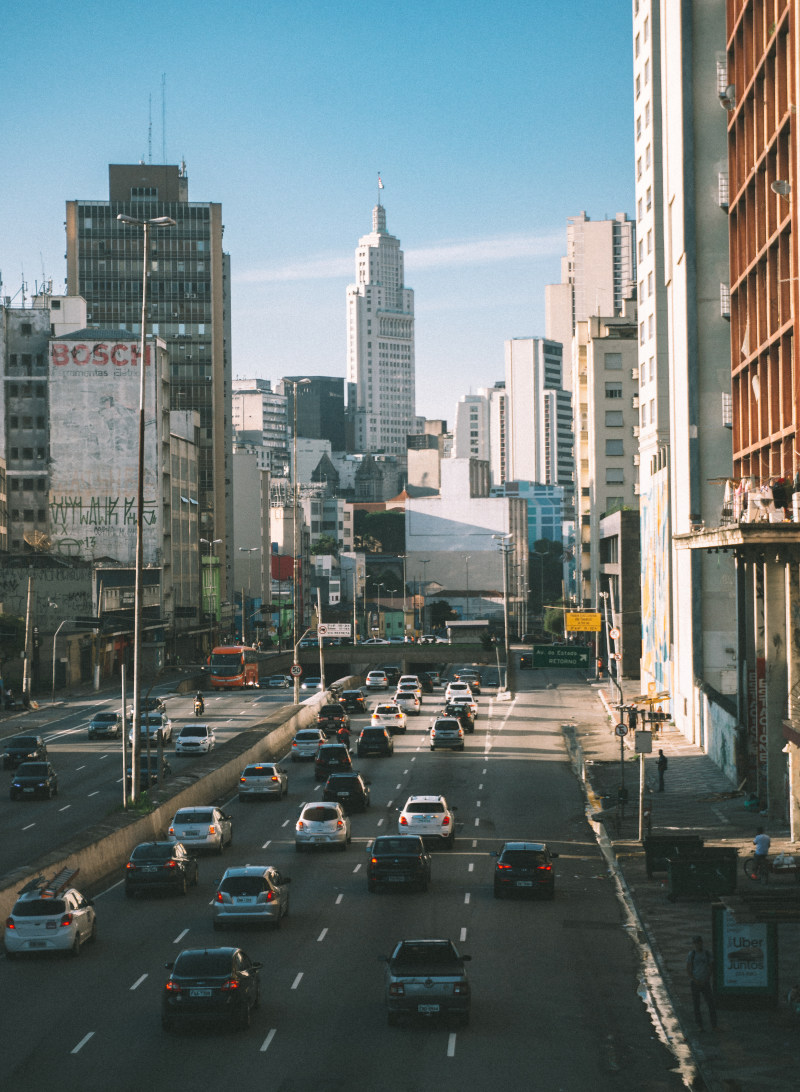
pixel 555 1002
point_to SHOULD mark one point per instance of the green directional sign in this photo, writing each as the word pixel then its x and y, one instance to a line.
pixel 561 656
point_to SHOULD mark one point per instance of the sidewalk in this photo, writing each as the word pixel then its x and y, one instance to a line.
pixel 753 1049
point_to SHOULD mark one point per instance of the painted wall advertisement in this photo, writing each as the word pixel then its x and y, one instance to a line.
pixel 745 957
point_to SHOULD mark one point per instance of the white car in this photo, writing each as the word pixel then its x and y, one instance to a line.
pixel 263 779
pixel 306 743
pixel 50 915
pixel 195 739
pixel 377 680
pixel 457 689
pixel 430 817
pixel 408 700
pixel 150 724
pixel 410 680
pixel 322 823
pixel 279 682
pixel 201 828
pixel 375 641
pixel 390 716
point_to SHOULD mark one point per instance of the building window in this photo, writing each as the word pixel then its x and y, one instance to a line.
pixel 615 475
pixel 614 419
pixel 612 362
pixel 613 390
pixel 614 447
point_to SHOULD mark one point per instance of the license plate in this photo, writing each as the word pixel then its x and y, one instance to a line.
pixel 149 868
pixel 395 879
pixel 427 1008
pixel 36 944
pixel 345 794
pixel 243 900
pixel 524 883
pixel 199 993
pixel 27 790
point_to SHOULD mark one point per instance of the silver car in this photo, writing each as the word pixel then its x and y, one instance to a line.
pixel 201 828
pixel 306 743
pixel 322 824
pixel 427 979
pixel 447 732
pixel 263 779
pixel 252 894
pixel 408 700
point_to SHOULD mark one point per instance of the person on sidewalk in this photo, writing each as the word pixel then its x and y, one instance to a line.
pixel 661 766
pixel 762 842
pixel 699 967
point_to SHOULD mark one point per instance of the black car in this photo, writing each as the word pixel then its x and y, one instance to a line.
pixel 211 983
pixel 330 718
pixel 159 865
pixel 149 772
pixel 353 701
pixel 23 749
pixel 331 758
pixel 34 779
pixel 526 660
pixel 392 672
pixel 425 682
pixel 524 868
pixel 105 726
pixel 375 741
pixel 462 713
pixel 348 789
pixel 398 859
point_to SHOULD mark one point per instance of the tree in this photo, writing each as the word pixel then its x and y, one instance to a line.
pixel 441 613
pixel 326 544
pixel 379 532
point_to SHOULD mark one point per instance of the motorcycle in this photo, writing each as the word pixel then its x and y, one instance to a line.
pixel 199 707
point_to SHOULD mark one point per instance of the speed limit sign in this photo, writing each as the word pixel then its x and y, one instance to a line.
pixel 295 671
pixel 614 634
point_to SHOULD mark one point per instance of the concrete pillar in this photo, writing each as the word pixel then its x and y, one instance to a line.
pixel 775 690
pixel 793 689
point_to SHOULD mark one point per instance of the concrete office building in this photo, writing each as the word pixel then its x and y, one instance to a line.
pixel 380 344
pixel 259 417
pixel 189 306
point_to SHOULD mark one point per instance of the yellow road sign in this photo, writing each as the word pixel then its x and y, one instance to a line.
pixel 582 622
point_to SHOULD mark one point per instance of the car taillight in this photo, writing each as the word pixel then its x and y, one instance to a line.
pixel 273 778
pixel 66 919
pixel 501 865
pixel 170 864
pixel 294 743
pixel 403 821
pixel 212 829
pixel 230 984
pixel 339 824
pixel 544 868
pixel 270 896
pixel 10 923
pixel 300 825
pixel 172 987
pixel 373 860
pixel 172 830
pixel 243 779
pixel 219 897
pixel 397 989
pixel 130 867
pixel 446 821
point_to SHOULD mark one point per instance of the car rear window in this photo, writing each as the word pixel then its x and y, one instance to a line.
pixel 352 694
pixel 196 816
pixel 437 955
pixel 307 737
pixel 331 710
pixel 523 858
pixel 202 964
pixel 373 733
pixel 320 814
pixel 24 741
pixel 259 771
pixel 36 907
pixel 243 885
pixel 105 718
pixel 386 710
pixel 429 808
pixel 161 851
pixel 397 845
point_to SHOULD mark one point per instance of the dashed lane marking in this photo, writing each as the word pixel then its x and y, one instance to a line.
pixel 268 1040
pixel 82 1043
pixel 138 981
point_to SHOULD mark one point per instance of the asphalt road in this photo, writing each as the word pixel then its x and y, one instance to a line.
pixel 555 1003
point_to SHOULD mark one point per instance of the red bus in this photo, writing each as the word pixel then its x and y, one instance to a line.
pixel 234 666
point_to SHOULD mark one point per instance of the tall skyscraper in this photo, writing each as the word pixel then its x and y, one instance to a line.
pixel 380 344
pixel 188 306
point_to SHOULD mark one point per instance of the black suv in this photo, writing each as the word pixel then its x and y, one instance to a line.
pixel 330 718
pixel 105 726
pixel 23 749
pixel 375 741
pixel 353 701
pixel 461 712
pixel 160 864
pixel 331 758
pixel 210 982
pixel 34 779
pixel 392 673
pixel 398 859
pixel 524 868
pixel 348 789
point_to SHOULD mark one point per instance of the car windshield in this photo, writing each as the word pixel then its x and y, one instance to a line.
pixel 206 964
pixel 194 730
pixel 33 769
pixel 317 814
pixel 34 908
pixel 243 885
pixel 427 808
pixel 194 816
pixel 156 851
pixel 413 954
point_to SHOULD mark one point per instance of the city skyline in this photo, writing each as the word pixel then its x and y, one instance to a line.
pixel 475 121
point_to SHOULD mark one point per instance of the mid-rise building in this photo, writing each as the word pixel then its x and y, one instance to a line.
pixel 320 407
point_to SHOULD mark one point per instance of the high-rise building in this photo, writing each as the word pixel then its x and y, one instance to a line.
pixel 320 407
pixel 260 423
pixel 471 427
pixel 188 306
pixel 596 275
pixel 380 344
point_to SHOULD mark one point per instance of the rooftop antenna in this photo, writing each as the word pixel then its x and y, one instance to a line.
pixel 380 186
pixel 150 128
pixel 164 118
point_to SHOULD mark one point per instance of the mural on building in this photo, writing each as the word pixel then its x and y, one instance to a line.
pixel 656 568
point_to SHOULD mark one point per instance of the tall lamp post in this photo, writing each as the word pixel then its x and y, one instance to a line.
pixel 211 543
pixel 296 554
pixel 504 545
pixel 427 561
pixel 403 559
pixel 467 560
pixel 145 225
pixel 249 550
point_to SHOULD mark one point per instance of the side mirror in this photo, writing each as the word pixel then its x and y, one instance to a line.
pixel 552 854
pixel 368 849
pixel 169 966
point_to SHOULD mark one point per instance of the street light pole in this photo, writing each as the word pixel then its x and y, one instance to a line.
pixel 504 545
pixel 211 543
pixel 466 609
pixel 145 225
pixel 423 585
pixel 249 550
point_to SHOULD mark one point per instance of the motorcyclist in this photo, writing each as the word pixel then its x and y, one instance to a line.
pixel 343 736
pixel 199 704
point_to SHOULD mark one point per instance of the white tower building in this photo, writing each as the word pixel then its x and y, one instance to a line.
pixel 380 343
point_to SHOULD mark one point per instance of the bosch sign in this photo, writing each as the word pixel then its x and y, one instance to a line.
pixel 99 354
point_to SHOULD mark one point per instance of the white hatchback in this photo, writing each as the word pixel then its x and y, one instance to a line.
pixel 201 828
pixel 408 700
pixel 50 916
pixel 430 817
pixel 458 689
pixel 322 824
pixel 377 680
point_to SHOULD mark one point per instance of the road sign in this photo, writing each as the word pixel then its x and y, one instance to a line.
pixel 621 729
pixel 616 655
pixel 582 622
pixel 561 656
pixel 334 629
pixel 614 634
pixel 295 671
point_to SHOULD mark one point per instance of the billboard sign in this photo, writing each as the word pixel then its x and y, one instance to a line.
pixel 582 621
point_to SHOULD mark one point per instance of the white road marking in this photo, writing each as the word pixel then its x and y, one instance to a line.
pixel 358 866
pixel 138 981
pixel 477 822
pixel 398 785
pixel 180 936
pixel 82 1043
pixel 462 935
pixel 95 793
pixel 339 899
pixel 484 770
pixel 321 937
pixel 268 1040
pixel 65 807
pixel 474 843
pixel 451 1045
pixel 389 803
pixel 266 843
pixel 29 826
pixel 480 787
pixel 380 822
pixel 296 982
pixel 405 771
pixel 103 756
pixel 286 823
pixel 80 768
pixel 470 867
pixel 466 898
pixel 477 803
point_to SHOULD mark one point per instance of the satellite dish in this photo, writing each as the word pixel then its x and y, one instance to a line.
pixel 38 540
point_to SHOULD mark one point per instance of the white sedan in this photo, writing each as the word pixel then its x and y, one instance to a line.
pixel 201 828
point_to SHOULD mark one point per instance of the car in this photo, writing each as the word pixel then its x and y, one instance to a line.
pixel 151 724
pixel 331 758
pixel 375 641
pixel 432 639
pixel 457 688
pixel 434 676
pixel 377 680
pixel 426 978
pixel 279 682
pixel 27 748
pixel 306 743
pixel 353 701
pixel 397 859
pixel 309 642
pixel 263 779
pixel 389 715
pixel 430 818
pixel 50 916
pixel 159 865
pixel 410 680
pixel 150 773
pixel 322 823
pixel 210 984
pixel 426 682
pixel 447 732
pixel 526 660
pixel 472 679
pixel 374 741
pixel 311 682
pixel 524 868
pixel 392 673
pixel 331 718
pixel 251 895
pixel 34 779
pixel 462 711
pixel 105 725
pixel 348 789
pixel 195 739
pixel 201 827
pixel 408 701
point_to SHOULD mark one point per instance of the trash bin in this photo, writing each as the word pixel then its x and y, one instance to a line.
pixel 707 874
pixel 658 848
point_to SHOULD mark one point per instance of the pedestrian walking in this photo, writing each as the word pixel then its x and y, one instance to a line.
pixel 661 766
pixel 700 968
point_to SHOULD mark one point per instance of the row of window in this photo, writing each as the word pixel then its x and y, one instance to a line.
pixel 25 421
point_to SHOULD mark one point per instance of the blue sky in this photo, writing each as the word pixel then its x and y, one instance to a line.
pixel 490 124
